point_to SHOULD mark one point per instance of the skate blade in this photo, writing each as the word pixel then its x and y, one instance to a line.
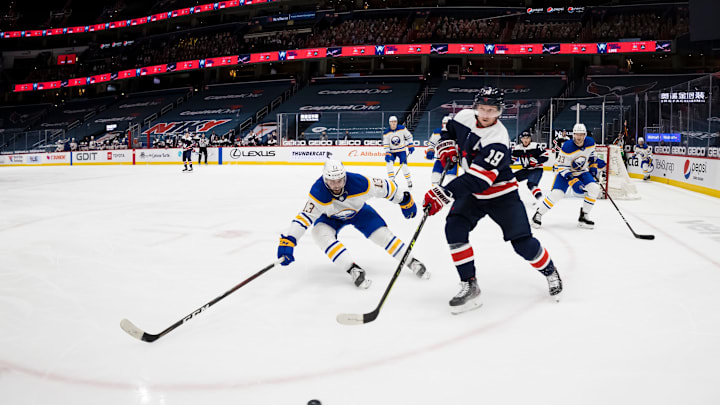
pixel 466 307
pixel 534 225
pixel 556 297
pixel 365 284
pixel 586 226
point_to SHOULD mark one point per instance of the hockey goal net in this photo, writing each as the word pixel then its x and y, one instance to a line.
pixel 614 177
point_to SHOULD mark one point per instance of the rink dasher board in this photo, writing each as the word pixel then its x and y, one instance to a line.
pixel 700 174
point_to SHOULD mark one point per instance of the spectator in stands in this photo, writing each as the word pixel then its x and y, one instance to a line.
pixel 323 136
pixel 301 137
pixel 347 136
pixel 214 139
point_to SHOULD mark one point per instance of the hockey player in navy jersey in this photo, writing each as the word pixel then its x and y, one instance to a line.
pixel 644 156
pixel 529 154
pixel 480 142
pixel 398 143
pixel 337 199
pixel 187 147
pixel 577 167
pixel 430 155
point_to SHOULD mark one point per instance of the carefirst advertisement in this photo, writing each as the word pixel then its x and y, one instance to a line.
pixel 692 173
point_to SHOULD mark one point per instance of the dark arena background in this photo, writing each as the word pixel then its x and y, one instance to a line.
pixel 102 101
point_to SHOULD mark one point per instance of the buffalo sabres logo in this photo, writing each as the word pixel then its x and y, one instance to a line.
pixel 345 214
pixel 579 163
pixel 395 140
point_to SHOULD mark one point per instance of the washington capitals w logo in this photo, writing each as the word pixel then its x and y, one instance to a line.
pixel 489 48
pixel 379 49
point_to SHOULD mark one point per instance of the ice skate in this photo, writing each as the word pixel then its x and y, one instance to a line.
pixel 185 169
pixel 467 299
pixel 409 184
pixel 584 221
pixel 554 282
pixel 358 277
pixel 536 220
pixel 419 269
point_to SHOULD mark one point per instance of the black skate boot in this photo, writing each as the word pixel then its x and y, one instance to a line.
pixel 467 299
pixel 536 220
pixel 554 281
pixel 419 269
pixel 358 276
pixel 584 221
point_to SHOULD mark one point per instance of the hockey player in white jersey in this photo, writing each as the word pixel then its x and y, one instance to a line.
pixel 338 199
pixel 398 143
pixel 430 155
pixel 643 155
pixel 577 168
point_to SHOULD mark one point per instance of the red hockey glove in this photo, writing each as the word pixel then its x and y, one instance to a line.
pixel 437 198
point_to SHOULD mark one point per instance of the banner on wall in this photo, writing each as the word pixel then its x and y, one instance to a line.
pixel 100 157
pixel 694 173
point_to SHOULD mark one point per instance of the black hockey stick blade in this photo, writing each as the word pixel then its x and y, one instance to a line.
pixel 647 237
pixel 139 334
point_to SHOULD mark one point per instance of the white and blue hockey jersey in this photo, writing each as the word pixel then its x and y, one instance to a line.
pixel 358 189
pixel 576 160
pixel 397 140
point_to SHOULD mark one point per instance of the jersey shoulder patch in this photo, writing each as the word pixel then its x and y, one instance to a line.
pixel 589 141
pixel 320 193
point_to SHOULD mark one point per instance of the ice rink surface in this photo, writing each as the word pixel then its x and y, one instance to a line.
pixel 84 247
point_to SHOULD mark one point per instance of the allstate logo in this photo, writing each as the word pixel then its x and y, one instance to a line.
pixel 687 170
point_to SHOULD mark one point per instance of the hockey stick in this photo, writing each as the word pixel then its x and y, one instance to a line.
pixel 138 333
pixel 637 235
pixel 359 319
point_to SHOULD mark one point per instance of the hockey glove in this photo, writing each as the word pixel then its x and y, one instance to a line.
pixel 593 170
pixel 578 187
pixel 534 162
pixel 285 249
pixel 430 154
pixel 407 205
pixel 411 149
pixel 437 197
pixel 447 153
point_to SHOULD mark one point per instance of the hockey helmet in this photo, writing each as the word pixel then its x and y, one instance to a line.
pixel 489 96
pixel 641 140
pixel 579 128
pixel 334 176
pixel 393 118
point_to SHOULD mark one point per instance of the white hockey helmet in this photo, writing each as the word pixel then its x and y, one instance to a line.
pixel 579 128
pixel 393 118
pixel 334 176
pixel 641 140
pixel 446 119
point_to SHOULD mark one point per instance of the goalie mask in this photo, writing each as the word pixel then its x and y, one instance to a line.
pixel 334 177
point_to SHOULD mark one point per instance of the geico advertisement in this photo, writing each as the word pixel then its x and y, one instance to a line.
pixel 691 170
pixel 102 157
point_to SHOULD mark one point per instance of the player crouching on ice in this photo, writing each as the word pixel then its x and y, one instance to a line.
pixel 577 167
pixel 338 199
pixel 531 157
pixel 644 157
pixel 480 143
